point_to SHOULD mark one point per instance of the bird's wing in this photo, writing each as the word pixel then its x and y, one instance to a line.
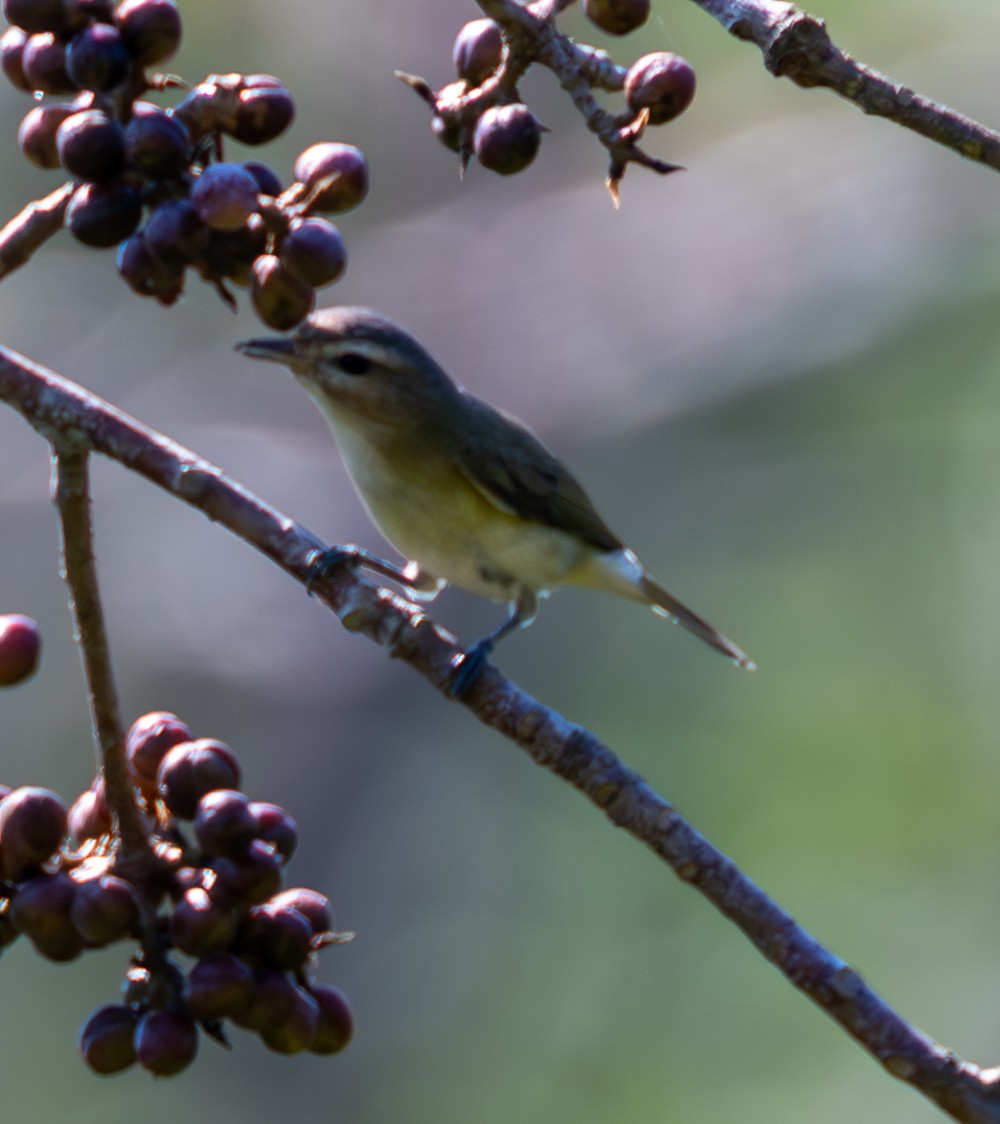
pixel 521 477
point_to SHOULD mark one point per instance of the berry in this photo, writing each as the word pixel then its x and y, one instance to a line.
pixel 507 138
pixel 175 235
pixel 150 29
pixel 11 63
pixel 91 146
pixel 275 826
pixel 107 1039
pixel 267 179
pixel 157 144
pixel 663 83
pixel 617 17
pixel 35 15
pixel 97 59
pixel 296 1031
pixel 104 909
pixel 148 275
pixel 342 170
pixel 41 911
pixel 150 738
pixel 478 51
pixel 314 251
pixel 44 63
pixel 20 640
pixel 89 816
pixel 33 824
pixel 279 934
pixel 166 1042
pixel 225 196
pixel 336 1020
pixel 219 986
pixel 279 298
pixel 191 770
pixel 200 925
pixel 265 110
pixel 250 879
pixel 102 215
pixel 224 823
pixel 313 905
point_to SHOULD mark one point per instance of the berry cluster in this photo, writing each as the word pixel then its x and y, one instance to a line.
pixel 153 181
pixel 210 890
pixel 482 115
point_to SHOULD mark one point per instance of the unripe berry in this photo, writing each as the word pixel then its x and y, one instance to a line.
pixel 151 29
pixel 279 298
pixel 103 214
pixel 314 251
pixel 617 17
pixel 107 1039
pixel 507 138
pixel 91 146
pixel 336 1020
pixel 224 196
pixel 663 83
pixel 166 1042
pixel 341 168
pixel 478 51
pixel 33 825
pixel 20 643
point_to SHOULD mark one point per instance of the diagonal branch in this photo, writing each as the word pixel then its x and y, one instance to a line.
pixel 69 417
pixel 796 45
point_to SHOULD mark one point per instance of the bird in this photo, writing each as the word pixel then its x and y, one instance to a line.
pixel 464 491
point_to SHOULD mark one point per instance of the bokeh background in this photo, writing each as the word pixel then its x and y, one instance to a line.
pixel 778 375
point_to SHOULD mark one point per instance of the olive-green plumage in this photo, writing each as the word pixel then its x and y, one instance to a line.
pixel 468 494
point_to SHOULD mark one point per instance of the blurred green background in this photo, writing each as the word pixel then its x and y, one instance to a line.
pixel 778 375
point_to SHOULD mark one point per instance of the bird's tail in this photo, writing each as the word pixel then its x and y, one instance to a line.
pixel 667 605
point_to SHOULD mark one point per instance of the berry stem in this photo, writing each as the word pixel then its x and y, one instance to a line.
pixel 71 493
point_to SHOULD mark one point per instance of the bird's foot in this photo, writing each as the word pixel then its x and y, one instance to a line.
pixel 468 668
pixel 323 563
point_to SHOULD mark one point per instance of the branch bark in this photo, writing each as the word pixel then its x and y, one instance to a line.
pixel 69 417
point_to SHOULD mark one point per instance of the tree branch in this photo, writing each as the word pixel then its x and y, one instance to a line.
pixel 72 419
pixel 796 45
pixel 32 227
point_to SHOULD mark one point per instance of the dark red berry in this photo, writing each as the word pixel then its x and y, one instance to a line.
pixel 20 640
pixel 280 299
pixel 338 171
pixel 275 826
pixel 191 770
pixel 265 110
pixel 44 62
pixel 219 986
pixel 313 905
pixel 478 51
pixel 107 1039
pixel 104 909
pixel 33 824
pixel 148 275
pixel 36 15
pixel 200 925
pixel 225 196
pixel 11 51
pixel 91 146
pixel 150 738
pixel 103 214
pixel 166 1042
pixel 268 182
pixel 314 250
pixel 175 235
pixel 296 1031
pixel 97 59
pixel 663 83
pixel 41 911
pixel 336 1020
pixel 151 29
pixel 277 934
pixel 224 823
pixel 617 17
pixel 157 144
pixel 249 879
pixel 507 138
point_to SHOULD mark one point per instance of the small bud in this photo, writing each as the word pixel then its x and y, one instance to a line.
pixel 265 110
pixel 663 83
pixel 91 146
pixel 41 911
pixel 314 250
pixel 103 214
pixel 507 138
pixel 166 1042
pixel 224 196
pixel 107 1039
pixel 342 170
pixel 97 59
pixel 191 770
pixel 478 51
pixel 44 63
pixel 336 1020
pixel 33 825
pixel 617 17
pixel 20 645
pixel 150 29
pixel 219 986
pixel 279 298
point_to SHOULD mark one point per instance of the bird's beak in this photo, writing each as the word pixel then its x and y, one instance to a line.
pixel 278 349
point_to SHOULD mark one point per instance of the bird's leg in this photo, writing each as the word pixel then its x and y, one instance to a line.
pixel 467 668
pixel 322 563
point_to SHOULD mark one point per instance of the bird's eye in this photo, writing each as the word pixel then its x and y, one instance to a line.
pixel 353 363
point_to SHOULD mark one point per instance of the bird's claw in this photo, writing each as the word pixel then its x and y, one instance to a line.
pixel 323 563
pixel 468 669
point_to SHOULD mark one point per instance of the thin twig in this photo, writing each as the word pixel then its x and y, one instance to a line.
pixel 32 227
pixel 62 411
pixel 71 493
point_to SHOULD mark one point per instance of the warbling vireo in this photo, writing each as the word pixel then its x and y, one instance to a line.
pixel 465 492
